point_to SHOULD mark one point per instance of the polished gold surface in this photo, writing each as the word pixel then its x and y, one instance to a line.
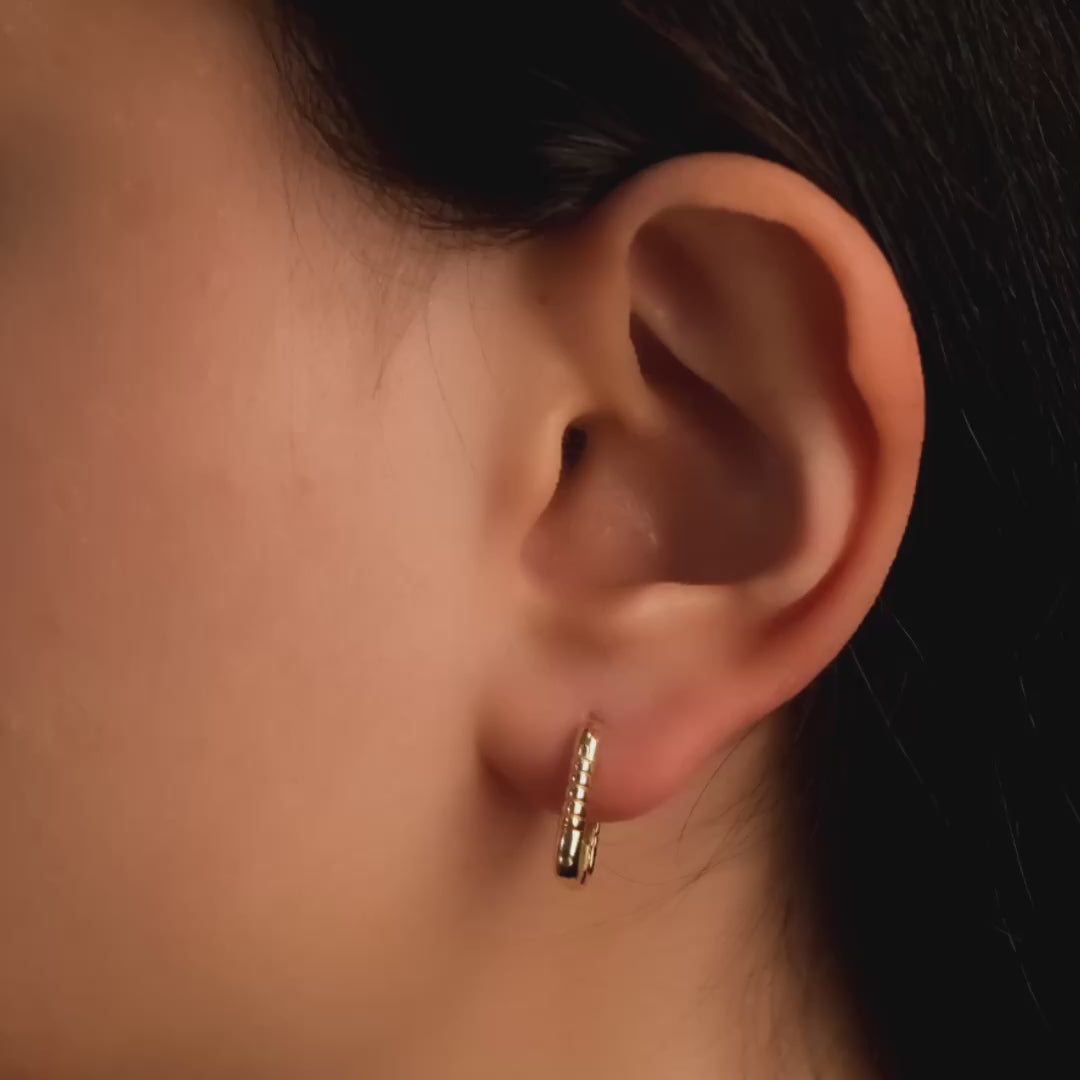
pixel 578 837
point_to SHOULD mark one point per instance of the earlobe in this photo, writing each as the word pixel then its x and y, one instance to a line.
pixel 741 480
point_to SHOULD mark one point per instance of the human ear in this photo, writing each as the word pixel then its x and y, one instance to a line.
pixel 692 523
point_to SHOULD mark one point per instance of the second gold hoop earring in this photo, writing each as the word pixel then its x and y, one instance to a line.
pixel 578 837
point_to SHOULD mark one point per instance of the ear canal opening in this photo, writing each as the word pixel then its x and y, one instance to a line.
pixel 575 444
pixel 700 496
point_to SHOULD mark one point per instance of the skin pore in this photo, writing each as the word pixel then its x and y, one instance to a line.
pixel 279 750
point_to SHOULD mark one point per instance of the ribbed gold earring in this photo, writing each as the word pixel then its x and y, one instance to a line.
pixel 576 855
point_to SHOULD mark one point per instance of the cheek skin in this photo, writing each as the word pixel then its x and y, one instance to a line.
pixel 230 596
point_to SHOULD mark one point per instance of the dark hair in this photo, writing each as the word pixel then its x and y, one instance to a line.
pixel 938 780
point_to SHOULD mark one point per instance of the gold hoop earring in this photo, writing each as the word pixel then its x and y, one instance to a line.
pixel 578 837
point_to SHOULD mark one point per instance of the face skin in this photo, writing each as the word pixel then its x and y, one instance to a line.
pixel 274 793
pixel 232 571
